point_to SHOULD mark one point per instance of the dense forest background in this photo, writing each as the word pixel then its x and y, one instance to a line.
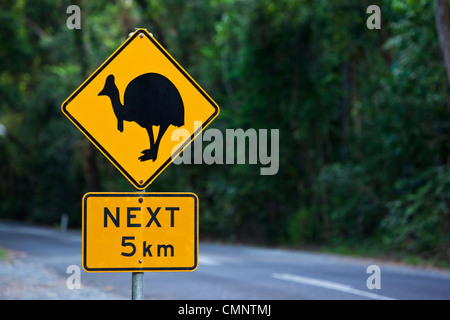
pixel 364 116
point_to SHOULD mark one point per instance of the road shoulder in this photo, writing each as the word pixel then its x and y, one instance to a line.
pixel 22 279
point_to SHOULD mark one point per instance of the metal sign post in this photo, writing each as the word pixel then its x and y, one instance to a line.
pixel 137 286
pixel 137 283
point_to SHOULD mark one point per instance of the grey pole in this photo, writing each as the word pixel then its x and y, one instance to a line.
pixel 137 280
pixel 137 286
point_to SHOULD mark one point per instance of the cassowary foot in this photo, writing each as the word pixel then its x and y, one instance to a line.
pixel 149 154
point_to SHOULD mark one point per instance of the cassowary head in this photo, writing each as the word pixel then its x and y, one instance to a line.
pixel 109 87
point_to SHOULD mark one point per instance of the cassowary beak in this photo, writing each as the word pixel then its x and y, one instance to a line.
pixel 102 93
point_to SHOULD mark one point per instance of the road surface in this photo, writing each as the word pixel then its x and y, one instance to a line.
pixel 225 272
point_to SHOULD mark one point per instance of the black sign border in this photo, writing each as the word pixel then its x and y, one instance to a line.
pixel 100 69
pixel 140 195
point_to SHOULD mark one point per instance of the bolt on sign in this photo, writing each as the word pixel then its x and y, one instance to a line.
pixel 138 232
pixel 130 106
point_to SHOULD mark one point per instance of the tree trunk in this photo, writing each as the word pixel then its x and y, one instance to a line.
pixel 89 160
pixel 90 167
pixel 346 103
pixel 443 31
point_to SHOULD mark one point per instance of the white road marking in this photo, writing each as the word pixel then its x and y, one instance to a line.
pixel 203 260
pixel 328 285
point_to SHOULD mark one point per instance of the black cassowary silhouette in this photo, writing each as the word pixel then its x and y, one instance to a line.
pixel 149 100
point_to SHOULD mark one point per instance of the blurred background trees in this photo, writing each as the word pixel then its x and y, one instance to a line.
pixel 364 116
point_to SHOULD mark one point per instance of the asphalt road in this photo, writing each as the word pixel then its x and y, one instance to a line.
pixel 231 272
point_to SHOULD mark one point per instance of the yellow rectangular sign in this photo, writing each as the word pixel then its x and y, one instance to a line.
pixel 132 231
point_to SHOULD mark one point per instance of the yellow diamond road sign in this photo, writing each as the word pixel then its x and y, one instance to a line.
pixel 132 104
pixel 146 231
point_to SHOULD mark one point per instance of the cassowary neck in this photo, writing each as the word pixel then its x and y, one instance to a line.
pixel 118 108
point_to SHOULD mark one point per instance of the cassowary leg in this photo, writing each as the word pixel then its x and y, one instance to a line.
pixel 152 154
pixel 162 130
pixel 149 154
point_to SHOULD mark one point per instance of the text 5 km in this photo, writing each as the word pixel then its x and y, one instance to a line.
pixel 146 249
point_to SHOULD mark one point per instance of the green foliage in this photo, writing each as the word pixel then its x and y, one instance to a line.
pixel 419 221
pixel 352 207
pixel 363 116
pixel 303 228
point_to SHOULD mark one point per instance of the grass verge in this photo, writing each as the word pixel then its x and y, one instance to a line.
pixel 3 253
